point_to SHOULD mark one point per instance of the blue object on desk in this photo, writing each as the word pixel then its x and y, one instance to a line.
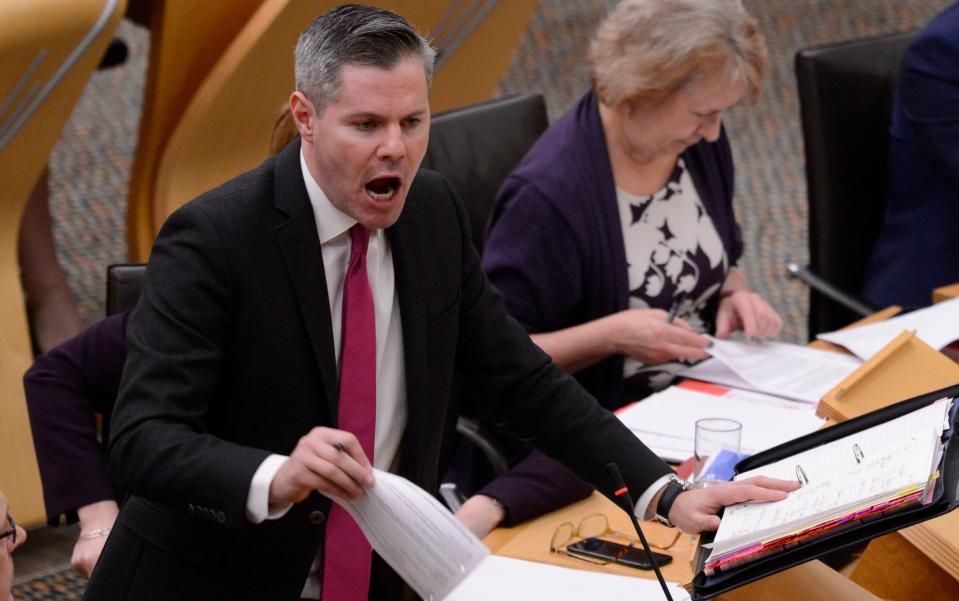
pixel 722 467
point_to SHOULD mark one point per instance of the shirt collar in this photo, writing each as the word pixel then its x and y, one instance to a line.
pixel 330 221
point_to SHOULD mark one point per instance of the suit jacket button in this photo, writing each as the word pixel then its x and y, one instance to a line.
pixel 317 518
pixel 221 517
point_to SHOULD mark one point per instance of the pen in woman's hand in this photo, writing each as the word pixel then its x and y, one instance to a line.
pixel 674 310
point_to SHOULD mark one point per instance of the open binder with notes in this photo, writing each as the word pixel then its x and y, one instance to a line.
pixel 861 478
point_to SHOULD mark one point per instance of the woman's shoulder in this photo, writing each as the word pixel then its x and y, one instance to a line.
pixel 562 164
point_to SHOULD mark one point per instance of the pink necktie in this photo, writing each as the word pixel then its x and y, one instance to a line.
pixel 346 552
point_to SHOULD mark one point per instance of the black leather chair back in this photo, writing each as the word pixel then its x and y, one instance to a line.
pixel 845 94
pixel 477 146
pixel 124 283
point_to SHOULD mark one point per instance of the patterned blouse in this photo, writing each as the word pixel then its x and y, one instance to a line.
pixel 674 255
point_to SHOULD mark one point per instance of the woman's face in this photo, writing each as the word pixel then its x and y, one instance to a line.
pixel 678 122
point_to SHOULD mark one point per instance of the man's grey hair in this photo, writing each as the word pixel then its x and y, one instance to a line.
pixel 354 35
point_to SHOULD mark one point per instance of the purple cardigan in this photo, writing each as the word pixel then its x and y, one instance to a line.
pixel 554 248
pixel 64 388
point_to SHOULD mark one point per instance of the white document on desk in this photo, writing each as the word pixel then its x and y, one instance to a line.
pixel 937 326
pixel 440 559
pixel 666 421
pixel 786 370
pixel 507 579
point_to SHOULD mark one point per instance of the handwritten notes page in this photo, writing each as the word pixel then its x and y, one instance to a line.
pixel 838 454
pixel 787 370
pixel 900 469
pixel 873 469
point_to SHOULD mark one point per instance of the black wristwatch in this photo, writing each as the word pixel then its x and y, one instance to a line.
pixel 675 486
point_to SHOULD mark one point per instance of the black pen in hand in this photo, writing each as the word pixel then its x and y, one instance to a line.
pixel 674 310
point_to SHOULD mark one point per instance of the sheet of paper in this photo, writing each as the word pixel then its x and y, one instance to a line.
pixel 787 370
pixel 836 491
pixel 666 421
pixel 715 371
pixel 839 454
pixel 418 537
pixel 937 326
pixel 506 579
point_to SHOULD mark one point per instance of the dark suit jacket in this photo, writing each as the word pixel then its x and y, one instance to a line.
pixel 918 248
pixel 230 358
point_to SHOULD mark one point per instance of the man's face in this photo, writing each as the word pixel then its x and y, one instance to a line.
pixel 365 148
pixel 6 549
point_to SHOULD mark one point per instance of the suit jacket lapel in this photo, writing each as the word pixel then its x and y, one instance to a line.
pixel 406 243
pixel 300 246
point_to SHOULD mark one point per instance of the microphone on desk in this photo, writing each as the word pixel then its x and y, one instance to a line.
pixel 622 497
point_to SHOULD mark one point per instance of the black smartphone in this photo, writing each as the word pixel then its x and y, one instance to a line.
pixel 598 548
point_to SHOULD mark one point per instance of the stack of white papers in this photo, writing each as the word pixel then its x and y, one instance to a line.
pixel 666 421
pixel 506 579
pixel 790 371
pixel 937 326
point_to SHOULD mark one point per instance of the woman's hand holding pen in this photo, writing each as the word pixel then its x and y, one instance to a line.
pixel 647 335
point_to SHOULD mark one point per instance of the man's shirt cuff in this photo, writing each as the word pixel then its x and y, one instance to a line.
pixel 643 510
pixel 258 500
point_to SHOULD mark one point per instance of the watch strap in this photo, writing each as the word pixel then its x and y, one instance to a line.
pixel 666 500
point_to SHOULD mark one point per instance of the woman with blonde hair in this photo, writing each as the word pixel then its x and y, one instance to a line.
pixel 621 216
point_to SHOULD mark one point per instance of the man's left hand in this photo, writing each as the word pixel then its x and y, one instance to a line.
pixel 697 509
pixel 747 311
pixel 481 515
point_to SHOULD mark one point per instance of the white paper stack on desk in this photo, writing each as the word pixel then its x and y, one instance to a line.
pixel 666 421
pixel 790 371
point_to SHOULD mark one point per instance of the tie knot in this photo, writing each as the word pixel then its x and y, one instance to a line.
pixel 360 238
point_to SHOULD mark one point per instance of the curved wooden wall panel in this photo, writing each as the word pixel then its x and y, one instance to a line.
pixel 225 128
pixel 186 41
pixel 49 48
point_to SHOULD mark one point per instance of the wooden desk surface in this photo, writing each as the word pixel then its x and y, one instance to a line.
pixel 812 581
pixel 531 539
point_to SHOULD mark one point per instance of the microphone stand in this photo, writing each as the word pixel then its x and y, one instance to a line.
pixel 622 496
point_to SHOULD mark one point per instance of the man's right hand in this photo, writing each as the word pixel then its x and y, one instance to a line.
pixel 696 510
pixel 329 461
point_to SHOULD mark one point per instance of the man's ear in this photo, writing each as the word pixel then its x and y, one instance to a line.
pixel 303 113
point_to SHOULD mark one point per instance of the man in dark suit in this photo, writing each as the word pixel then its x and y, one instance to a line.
pixel 274 303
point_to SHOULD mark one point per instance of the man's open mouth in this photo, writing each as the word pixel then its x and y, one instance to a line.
pixel 382 188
